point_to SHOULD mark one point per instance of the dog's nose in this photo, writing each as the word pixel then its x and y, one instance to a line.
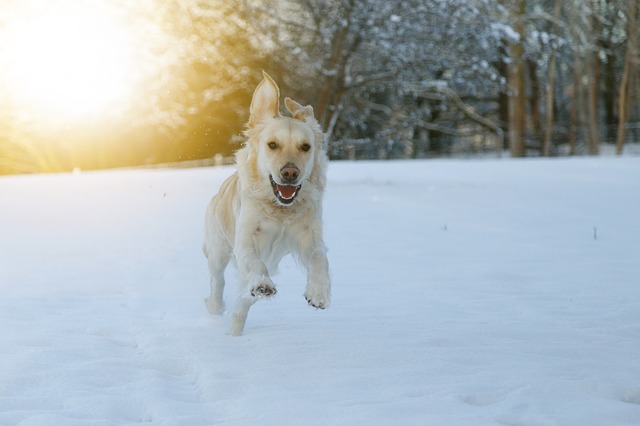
pixel 289 174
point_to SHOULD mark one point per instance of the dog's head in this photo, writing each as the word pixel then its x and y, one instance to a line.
pixel 284 150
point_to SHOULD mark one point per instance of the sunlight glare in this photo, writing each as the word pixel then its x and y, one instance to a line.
pixel 67 58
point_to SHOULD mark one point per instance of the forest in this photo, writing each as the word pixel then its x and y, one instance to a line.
pixel 387 79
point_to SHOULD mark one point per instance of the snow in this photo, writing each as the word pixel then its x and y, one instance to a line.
pixel 466 292
pixel 501 30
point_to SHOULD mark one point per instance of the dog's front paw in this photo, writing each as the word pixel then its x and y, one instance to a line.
pixel 263 290
pixel 319 300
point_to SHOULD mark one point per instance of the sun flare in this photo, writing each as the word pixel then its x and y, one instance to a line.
pixel 66 58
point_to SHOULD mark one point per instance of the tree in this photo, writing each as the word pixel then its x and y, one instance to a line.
pixel 367 66
pixel 387 79
pixel 629 74
pixel 551 81
pixel 517 82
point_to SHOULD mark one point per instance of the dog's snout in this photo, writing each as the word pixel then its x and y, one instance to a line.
pixel 290 173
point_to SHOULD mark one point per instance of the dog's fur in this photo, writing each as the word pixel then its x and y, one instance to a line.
pixel 270 207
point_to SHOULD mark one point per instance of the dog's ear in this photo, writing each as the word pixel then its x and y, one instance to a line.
pixel 299 112
pixel 265 100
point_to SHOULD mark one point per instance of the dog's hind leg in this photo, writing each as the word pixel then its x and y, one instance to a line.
pixel 240 313
pixel 218 262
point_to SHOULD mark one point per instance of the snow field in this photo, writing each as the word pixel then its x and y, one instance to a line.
pixel 464 293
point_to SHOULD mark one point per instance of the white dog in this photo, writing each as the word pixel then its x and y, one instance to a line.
pixel 270 207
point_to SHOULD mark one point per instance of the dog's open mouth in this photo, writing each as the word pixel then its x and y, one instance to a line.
pixel 285 194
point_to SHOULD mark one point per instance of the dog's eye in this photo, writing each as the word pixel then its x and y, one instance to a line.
pixel 305 147
pixel 272 145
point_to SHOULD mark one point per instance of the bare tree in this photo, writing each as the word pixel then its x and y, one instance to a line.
pixel 628 74
pixel 551 81
pixel 361 62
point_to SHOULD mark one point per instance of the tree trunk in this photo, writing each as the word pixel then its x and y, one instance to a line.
pixel 334 69
pixel 609 80
pixel 577 101
pixel 592 93
pixel 503 98
pixel 551 77
pixel 534 99
pixel 576 105
pixel 517 98
pixel 623 104
pixel 626 84
pixel 548 133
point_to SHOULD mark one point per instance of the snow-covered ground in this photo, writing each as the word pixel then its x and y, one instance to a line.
pixel 492 292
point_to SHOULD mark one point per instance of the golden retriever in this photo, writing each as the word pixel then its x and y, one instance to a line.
pixel 270 207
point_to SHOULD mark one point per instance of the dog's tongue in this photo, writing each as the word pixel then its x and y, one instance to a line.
pixel 287 191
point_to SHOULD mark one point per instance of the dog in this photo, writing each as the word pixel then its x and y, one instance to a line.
pixel 270 207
